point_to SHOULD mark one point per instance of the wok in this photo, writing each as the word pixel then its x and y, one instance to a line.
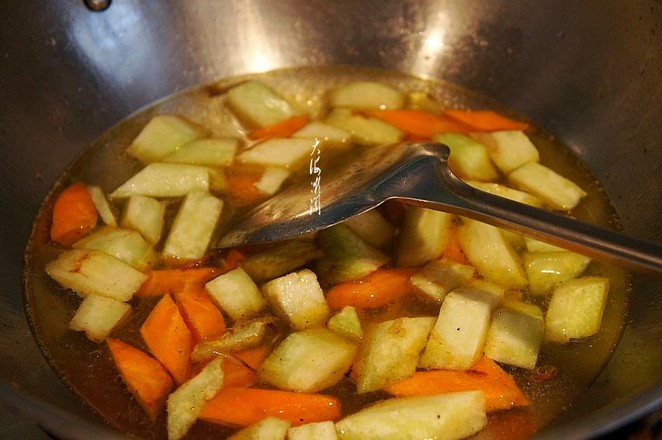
pixel 589 72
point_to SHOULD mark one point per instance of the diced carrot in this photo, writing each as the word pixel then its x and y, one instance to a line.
pixel 253 357
pixel 232 260
pixel 200 313
pixel 241 186
pixel 281 129
pixel 519 424
pixel 144 376
pixel 379 288
pixel 74 215
pixel 244 406
pixel 500 389
pixel 168 338
pixel 236 374
pixel 172 281
pixel 484 120
pixel 419 124
pixel 453 250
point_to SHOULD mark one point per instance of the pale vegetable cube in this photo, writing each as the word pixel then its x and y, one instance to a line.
pixel 193 227
pixel 443 416
pixel 576 308
pixel 278 152
pixel 439 277
pixel 257 105
pixel 145 215
pixel 211 152
pixel 164 180
pixel 468 158
pixel 504 191
pixel 218 182
pixel 458 336
pixel 546 270
pixel 269 428
pixel 557 191
pixel 272 179
pixel 364 130
pixel 325 133
pixel 423 101
pixel 367 95
pixel 495 294
pixel 162 135
pixel 126 245
pixel 237 294
pixel 185 403
pixel 101 204
pixel 313 431
pixel 372 227
pixel 515 335
pixel 280 259
pixel 423 237
pixel 308 361
pixel 298 299
pixel 92 272
pixel 98 315
pixel 508 149
pixel 347 324
pixel 390 352
pixel 346 255
pixel 494 258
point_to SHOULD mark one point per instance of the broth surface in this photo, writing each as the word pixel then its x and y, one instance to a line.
pixel 86 367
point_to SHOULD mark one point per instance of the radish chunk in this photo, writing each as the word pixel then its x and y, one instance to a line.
pixel 185 403
pixel 88 271
pixel 298 299
pixel 98 315
pixel 557 191
pixel 390 352
pixel 576 308
pixel 269 428
pixel 193 227
pixel 508 149
pixel 367 95
pixel 424 235
pixel 367 131
pixel 445 416
pixel 468 158
pixel 236 294
pixel 308 361
pixel 145 215
pixel 313 431
pixel 126 245
pixel 257 105
pixel 211 152
pixel 165 180
pixel 278 152
pixel 439 277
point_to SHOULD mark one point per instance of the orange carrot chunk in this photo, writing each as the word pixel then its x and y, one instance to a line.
pixel 419 124
pixel 144 376
pixel 168 338
pixel 172 281
pixel 200 313
pixel 232 260
pixel 281 129
pixel 484 120
pixel 236 406
pixel 453 250
pixel 500 389
pixel 379 288
pixel 236 374
pixel 74 215
pixel 241 186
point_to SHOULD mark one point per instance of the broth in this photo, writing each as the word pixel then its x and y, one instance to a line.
pixel 86 367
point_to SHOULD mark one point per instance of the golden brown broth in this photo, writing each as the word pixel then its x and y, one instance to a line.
pixel 86 368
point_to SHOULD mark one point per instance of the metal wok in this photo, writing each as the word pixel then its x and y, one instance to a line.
pixel 589 72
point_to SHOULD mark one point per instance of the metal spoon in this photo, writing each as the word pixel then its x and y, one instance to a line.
pixel 418 174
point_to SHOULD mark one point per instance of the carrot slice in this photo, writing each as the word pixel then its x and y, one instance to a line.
pixel 419 124
pixel 168 338
pixel 232 260
pixel 281 129
pixel 200 313
pixel 379 288
pixel 244 406
pixel 241 186
pixel 500 389
pixel 253 357
pixel 144 376
pixel 484 120
pixel 172 281
pixel 236 374
pixel 74 215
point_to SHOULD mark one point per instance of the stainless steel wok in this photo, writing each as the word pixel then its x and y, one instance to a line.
pixel 590 72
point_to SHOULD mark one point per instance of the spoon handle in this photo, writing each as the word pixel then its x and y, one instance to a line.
pixel 436 187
